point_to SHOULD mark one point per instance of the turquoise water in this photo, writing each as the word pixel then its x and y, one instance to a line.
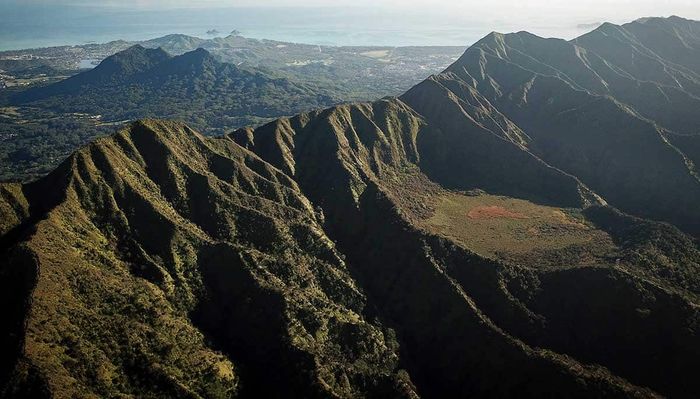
pixel 35 25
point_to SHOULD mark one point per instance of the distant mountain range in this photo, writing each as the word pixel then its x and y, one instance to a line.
pixel 37 135
pixel 140 82
pixel 523 224
pixel 356 72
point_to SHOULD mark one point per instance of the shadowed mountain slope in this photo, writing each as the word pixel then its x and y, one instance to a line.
pixel 162 227
pixel 363 165
pixel 579 116
pixel 463 240
pixel 158 230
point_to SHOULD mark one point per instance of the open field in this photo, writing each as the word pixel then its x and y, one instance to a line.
pixel 376 53
pixel 518 230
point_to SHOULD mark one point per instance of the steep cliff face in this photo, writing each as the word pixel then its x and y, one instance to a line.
pixel 326 272
pixel 587 117
pixel 454 242
pixel 427 282
pixel 171 259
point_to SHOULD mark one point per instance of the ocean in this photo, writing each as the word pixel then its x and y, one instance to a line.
pixel 41 25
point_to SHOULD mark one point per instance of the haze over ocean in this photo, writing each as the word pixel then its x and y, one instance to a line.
pixel 41 25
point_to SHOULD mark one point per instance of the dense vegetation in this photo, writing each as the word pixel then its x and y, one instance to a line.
pixel 33 141
pixel 194 87
pixel 220 98
pixel 138 83
pixel 459 241
pixel 604 108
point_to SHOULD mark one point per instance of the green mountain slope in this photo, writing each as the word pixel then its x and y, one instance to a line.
pixel 463 240
pixel 195 87
pixel 363 165
pixel 164 235
pixel 37 137
pixel 43 125
pixel 577 120
pixel 161 228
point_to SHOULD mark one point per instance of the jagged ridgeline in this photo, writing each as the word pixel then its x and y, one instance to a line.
pixel 521 225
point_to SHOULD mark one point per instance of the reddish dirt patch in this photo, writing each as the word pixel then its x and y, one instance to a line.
pixel 494 211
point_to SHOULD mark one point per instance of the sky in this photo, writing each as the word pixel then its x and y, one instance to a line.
pixel 537 12
pixel 689 8
pixel 337 22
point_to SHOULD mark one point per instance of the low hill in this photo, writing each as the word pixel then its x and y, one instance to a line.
pixel 38 136
pixel 41 126
pixel 194 87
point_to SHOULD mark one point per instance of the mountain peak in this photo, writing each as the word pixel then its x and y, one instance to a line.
pixel 672 19
pixel 177 42
pixel 605 28
pixel 132 60
pixel 197 56
pixel 201 52
pixel 480 194
pixel 138 51
pixel 174 36
pixel 198 59
pixel 493 36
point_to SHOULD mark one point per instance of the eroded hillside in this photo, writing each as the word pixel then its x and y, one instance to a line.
pixel 463 240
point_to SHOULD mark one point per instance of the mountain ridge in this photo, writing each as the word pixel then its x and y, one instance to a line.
pixel 463 239
pixel 516 77
pixel 141 82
